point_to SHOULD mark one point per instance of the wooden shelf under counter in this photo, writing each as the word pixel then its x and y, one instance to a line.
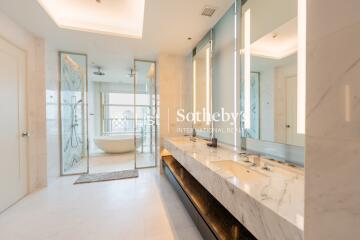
pixel 212 219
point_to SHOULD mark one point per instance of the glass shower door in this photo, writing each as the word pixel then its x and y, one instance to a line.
pixel 146 114
pixel 73 114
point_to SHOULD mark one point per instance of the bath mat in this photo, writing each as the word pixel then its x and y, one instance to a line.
pixel 109 176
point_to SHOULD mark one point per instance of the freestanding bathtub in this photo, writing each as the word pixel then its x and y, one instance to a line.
pixel 117 144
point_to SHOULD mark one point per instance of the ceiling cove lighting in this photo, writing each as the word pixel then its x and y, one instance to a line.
pixel 301 80
pixel 123 18
pixel 279 43
pixel 247 57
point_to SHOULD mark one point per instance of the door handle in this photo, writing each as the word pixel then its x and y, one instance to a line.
pixel 25 134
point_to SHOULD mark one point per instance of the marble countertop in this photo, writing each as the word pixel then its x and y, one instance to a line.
pixel 270 203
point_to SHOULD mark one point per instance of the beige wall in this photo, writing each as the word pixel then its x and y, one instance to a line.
pixel 52 116
pixel 332 190
pixel 34 48
pixel 175 88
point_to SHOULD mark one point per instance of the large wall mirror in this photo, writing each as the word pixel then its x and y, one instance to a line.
pixel 272 79
pixel 202 87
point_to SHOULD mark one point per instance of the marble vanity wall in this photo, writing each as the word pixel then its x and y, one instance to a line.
pixel 175 90
pixel 332 165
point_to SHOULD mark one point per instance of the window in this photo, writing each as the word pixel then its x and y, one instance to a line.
pixel 118 113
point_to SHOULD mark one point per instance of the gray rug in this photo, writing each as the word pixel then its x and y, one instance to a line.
pixel 109 176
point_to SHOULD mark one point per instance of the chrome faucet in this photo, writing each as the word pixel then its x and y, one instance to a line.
pixel 193 136
pixel 255 160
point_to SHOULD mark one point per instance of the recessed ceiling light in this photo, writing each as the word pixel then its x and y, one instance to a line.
pixel 121 17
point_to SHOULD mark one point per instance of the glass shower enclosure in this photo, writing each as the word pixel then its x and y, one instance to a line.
pixel 146 114
pixel 130 111
pixel 124 111
pixel 73 113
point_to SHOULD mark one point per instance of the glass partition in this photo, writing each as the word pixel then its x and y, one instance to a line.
pixel 128 117
pixel 73 113
pixel 113 147
pixel 146 114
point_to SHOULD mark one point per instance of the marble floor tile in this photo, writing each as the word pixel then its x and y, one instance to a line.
pixel 142 208
pixel 103 162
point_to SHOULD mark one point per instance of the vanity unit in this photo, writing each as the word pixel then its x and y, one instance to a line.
pixel 264 196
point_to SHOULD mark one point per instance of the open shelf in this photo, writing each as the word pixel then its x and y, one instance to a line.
pixel 213 220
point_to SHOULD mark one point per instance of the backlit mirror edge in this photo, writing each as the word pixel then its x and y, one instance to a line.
pixel 207 40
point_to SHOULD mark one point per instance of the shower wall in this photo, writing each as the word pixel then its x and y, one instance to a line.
pixel 73 113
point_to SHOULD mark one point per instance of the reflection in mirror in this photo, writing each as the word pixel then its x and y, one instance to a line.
pixel 202 89
pixel 269 100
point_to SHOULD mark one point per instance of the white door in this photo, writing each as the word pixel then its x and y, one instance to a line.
pixel 13 162
pixel 292 137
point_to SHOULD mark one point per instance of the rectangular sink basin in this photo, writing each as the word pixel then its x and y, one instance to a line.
pixel 238 170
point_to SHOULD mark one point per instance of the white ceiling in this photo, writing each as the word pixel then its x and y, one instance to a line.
pixel 114 17
pixel 167 25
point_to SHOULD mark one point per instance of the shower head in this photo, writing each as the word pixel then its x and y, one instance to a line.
pixel 99 72
pixel 78 102
pixel 132 73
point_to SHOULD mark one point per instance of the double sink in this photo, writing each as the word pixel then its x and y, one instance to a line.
pixel 238 170
pixel 253 167
pixel 247 168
